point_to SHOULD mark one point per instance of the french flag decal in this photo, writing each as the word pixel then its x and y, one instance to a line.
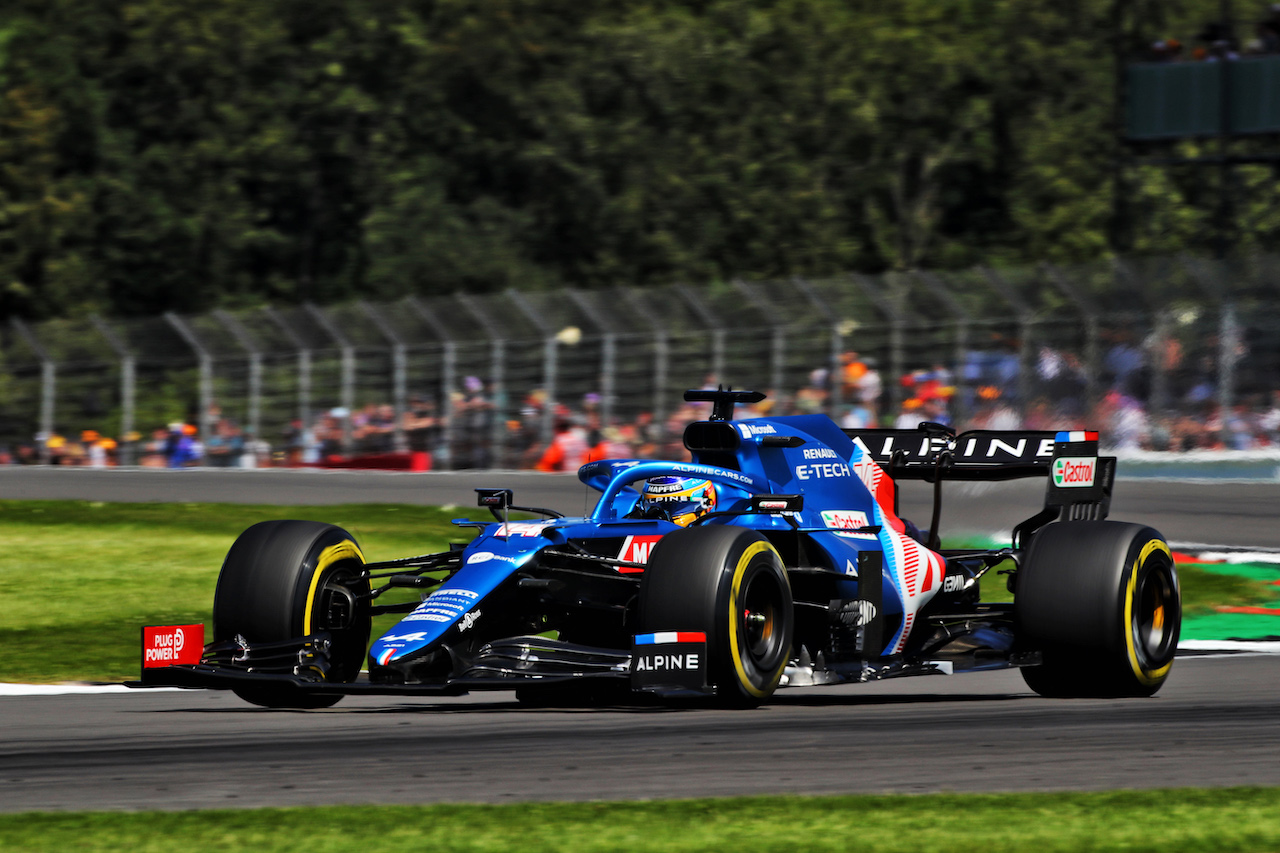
pixel 1077 435
pixel 663 637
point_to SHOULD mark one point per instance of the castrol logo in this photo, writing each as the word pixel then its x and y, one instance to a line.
pixel 844 519
pixel 1074 472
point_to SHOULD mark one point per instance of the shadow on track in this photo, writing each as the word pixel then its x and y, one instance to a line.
pixel 639 707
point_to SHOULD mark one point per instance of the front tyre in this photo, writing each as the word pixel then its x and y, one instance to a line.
pixel 288 579
pixel 1100 600
pixel 729 583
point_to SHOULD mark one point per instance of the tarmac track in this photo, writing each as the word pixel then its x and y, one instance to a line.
pixel 1214 724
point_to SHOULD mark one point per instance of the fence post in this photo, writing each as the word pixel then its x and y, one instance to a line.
pixel 712 322
pixel 835 371
pixel 348 369
pixel 1160 375
pixel 304 366
pixel 1153 356
pixel 448 369
pixel 246 342
pixel 206 373
pixel 608 354
pixel 661 352
pixel 778 336
pixel 399 395
pixel 497 376
pixel 48 385
pixel 1228 351
pixel 1092 330
pixel 550 367
pixel 1026 318
pixel 897 322
pixel 938 288
pixel 127 385
pixel 1217 287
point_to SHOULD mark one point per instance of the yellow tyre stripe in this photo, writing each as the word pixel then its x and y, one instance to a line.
pixel 1145 677
pixel 344 550
pixel 735 642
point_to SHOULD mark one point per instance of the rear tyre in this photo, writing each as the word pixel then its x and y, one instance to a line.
pixel 287 579
pixel 1100 600
pixel 729 583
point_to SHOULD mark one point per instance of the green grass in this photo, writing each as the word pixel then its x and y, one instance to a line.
pixel 1205 588
pixel 78 579
pixel 1243 819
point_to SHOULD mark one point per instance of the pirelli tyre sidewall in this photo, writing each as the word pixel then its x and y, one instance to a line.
pixel 287 579
pixel 729 583
pixel 1101 601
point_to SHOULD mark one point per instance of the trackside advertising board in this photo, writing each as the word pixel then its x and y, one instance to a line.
pixel 167 645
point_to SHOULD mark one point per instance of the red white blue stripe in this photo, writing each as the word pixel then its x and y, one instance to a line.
pixel 663 637
pixel 1077 435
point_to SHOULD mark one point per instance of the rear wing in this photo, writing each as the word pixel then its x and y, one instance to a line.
pixel 1080 481
pixel 981 454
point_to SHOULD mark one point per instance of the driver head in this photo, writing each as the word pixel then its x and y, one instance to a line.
pixel 681 499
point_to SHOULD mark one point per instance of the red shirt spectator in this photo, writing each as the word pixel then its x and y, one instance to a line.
pixel 568 450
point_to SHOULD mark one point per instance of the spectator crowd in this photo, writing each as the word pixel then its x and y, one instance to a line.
pixel 988 389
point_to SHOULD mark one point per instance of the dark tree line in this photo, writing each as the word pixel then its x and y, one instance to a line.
pixel 183 154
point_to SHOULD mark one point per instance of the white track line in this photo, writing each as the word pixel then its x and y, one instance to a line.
pixel 1257 647
pixel 71 689
pixel 1228 553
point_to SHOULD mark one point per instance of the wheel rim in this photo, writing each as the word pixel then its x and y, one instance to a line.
pixel 339 613
pixel 1155 615
pixel 337 607
pixel 761 620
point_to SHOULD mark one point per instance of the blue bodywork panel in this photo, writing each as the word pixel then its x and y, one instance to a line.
pixel 805 455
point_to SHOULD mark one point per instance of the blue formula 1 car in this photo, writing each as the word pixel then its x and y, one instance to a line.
pixel 775 558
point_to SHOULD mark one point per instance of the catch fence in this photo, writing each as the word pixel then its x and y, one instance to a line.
pixel 1048 345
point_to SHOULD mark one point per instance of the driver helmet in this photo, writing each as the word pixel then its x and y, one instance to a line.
pixel 681 499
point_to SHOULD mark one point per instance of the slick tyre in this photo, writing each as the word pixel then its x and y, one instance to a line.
pixel 1100 601
pixel 287 579
pixel 729 583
